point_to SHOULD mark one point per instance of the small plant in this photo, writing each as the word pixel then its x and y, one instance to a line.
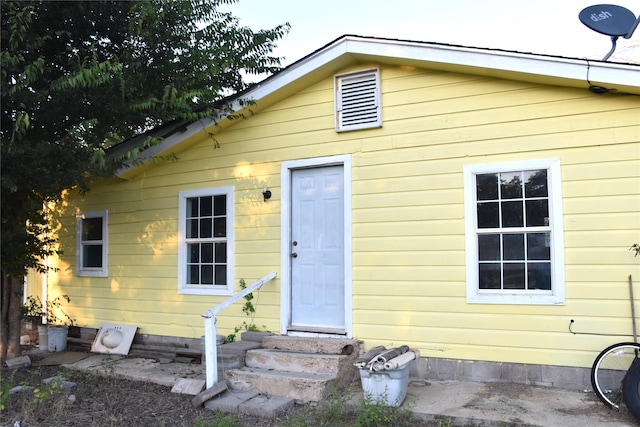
pixel 35 311
pixel 250 311
pixel 5 388
pixel 374 413
pixel 48 390
pixel 635 248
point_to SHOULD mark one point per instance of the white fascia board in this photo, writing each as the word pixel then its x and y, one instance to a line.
pixel 500 61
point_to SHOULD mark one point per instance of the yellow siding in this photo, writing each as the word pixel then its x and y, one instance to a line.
pixel 408 217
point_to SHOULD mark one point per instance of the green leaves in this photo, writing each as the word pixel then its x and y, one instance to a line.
pixel 79 77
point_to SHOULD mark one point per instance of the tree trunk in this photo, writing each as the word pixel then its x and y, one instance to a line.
pixel 10 314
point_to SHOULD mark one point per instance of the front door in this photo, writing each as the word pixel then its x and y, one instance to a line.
pixel 317 250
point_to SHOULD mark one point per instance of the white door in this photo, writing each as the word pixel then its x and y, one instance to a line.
pixel 317 250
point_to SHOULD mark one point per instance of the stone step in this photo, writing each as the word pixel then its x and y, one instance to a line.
pixel 251 403
pixel 304 387
pixel 293 361
pixel 341 346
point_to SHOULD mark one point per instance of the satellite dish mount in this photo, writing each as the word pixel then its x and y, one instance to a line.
pixel 611 20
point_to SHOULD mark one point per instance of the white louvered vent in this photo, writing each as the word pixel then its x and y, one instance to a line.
pixel 358 101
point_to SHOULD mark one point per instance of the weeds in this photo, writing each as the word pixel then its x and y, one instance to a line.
pixel 374 413
pixel 5 388
pixel 221 420
pixel 249 309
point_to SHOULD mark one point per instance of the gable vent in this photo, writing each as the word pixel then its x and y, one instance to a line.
pixel 358 101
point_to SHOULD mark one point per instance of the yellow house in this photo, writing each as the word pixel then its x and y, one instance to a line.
pixel 475 204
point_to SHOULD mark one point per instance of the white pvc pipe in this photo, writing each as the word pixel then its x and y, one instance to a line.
pixel 399 361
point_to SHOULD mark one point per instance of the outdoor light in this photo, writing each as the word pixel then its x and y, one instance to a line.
pixel 266 193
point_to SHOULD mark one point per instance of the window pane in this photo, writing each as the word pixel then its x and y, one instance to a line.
pixel 192 228
pixel 220 205
pixel 487 186
pixel 194 253
pixel 92 256
pixel 537 213
pixel 221 274
pixel 489 247
pixel 512 215
pixel 207 275
pixel 193 277
pixel 220 227
pixel 488 215
pixel 489 276
pixel 540 276
pixel 206 253
pixel 514 276
pixel 511 185
pixel 192 207
pixel 205 228
pixel 513 246
pixel 205 206
pixel 221 252
pixel 92 229
pixel 536 183
pixel 538 246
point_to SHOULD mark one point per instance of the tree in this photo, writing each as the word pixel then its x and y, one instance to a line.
pixel 79 77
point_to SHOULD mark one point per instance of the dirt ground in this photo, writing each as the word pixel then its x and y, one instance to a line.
pixel 110 401
pixel 99 401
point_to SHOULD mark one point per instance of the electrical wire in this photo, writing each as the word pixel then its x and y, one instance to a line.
pixel 595 333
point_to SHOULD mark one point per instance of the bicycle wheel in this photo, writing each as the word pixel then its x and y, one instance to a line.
pixel 609 370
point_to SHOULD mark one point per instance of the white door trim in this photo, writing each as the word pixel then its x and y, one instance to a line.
pixel 285 235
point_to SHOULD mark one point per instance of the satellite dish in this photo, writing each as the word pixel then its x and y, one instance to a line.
pixel 611 20
pixel 608 19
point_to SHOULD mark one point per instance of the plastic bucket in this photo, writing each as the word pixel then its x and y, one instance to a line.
pixel 58 338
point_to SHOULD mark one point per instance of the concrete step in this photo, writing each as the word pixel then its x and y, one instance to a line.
pixel 251 403
pixel 293 361
pixel 341 346
pixel 304 387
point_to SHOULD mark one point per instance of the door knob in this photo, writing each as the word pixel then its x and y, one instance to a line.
pixel 294 255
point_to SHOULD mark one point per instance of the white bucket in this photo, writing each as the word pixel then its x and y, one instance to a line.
pixel 58 338
pixel 43 337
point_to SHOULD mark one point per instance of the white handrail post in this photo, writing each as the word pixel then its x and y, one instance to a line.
pixel 210 333
pixel 211 350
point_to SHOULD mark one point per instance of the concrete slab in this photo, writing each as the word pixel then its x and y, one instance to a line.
pixel 63 357
pixel 18 362
pixel 230 401
pixel 306 387
pixel 313 345
pixel 138 368
pixel 266 406
pixel 499 404
pixel 188 386
pixel 292 361
pixel 209 393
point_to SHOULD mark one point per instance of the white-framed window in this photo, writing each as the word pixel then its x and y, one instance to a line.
pixel 514 233
pixel 91 243
pixel 205 241
pixel 357 100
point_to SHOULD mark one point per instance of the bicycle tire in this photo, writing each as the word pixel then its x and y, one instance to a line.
pixel 609 370
pixel 631 389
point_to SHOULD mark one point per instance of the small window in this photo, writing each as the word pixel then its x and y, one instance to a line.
pixel 357 100
pixel 514 233
pixel 91 244
pixel 205 251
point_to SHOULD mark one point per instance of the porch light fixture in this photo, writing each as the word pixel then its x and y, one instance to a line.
pixel 266 193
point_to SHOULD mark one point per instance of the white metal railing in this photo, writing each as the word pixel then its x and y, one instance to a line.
pixel 210 333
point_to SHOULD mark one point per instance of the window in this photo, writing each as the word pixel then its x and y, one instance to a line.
pixel 91 244
pixel 357 100
pixel 205 251
pixel 514 234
